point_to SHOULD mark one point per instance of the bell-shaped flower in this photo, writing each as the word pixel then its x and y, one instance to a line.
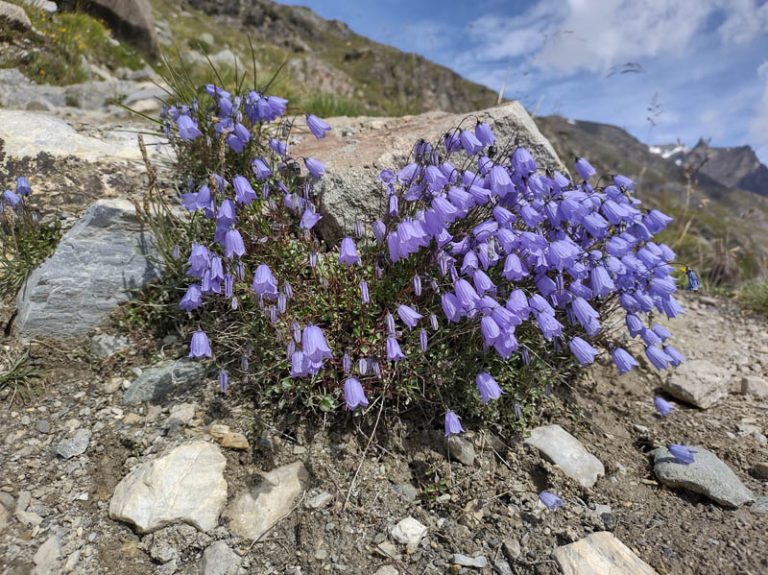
pixel 317 126
pixel 309 219
pixel 584 169
pixel 233 244
pixel 582 351
pixel 487 387
pixel 408 315
pixel 623 360
pixel 657 357
pixel 200 346
pixel 484 134
pixel 348 252
pixel 314 167
pixel 681 453
pixel 662 406
pixel 264 282
pixel 188 129
pixel 354 396
pixel 394 353
pixel 244 193
pixel 313 344
pixel 192 299
pixel 452 424
pixel 551 501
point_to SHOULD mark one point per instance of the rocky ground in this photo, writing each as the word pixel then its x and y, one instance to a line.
pixel 202 478
pixel 121 459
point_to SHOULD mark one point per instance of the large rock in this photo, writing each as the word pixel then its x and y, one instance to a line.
pixel 707 475
pixel 254 511
pixel 567 452
pixel 162 382
pixel 698 382
pixel 14 16
pixel 357 149
pixel 96 266
pixel 184 485
pixel 219 559
pixel 31 133
pixel 600 554
pixel 131 20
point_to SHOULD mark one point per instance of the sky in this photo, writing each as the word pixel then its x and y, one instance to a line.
pixel 665 70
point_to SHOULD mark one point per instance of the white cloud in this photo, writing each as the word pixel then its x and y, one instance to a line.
pixel 744 21
pixel 595 35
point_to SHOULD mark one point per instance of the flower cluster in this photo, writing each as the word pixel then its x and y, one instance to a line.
pixel 477 255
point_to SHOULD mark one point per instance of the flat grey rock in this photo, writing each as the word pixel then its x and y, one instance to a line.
pixel 255 510
pixel 707 475
pixel 461 450
pixel 106 345
pixel 160 383
pixel 96 266
pixel 351 187
pixel 219 559
pixel 75 445
pixel 477 562
pixel 699 382
pixel 567 453
pixel 184 485
pixel 600 554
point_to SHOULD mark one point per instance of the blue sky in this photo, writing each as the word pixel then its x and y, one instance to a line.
pixel 701 66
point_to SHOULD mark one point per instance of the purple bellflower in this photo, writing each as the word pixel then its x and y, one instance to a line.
pixel 662 406
pixel 354 396
pixel 348 252
pixel 487 387
pixel 550 500
pixel 681 453
pixel 200 346
pixel 452 424
pixel 408 315
pixel 317 126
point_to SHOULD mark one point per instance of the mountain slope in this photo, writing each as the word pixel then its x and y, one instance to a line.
pixel 323 58
pixel 735 167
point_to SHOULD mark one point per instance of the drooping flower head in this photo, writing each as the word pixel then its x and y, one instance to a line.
pixel 394 353
pixel 408 315
pixel 317 126
pixel 487 387
pixel 348 252
pixel 264 282
pixel 314 167
pixel 354 396
pixel 200 346
pixel 662 406
pixel 452 424
pixel 681 453
pixel 314 345
pixel 550 500
pixel 22 186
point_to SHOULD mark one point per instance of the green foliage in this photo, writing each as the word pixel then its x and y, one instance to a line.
pixel 16 376
pixel 26 242
pixel 754 296
pixel 327 105
pixel 54 54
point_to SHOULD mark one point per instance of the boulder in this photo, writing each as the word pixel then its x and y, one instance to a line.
pixel 14 16
pixel 357 149
pixel 567 452
pixel 699 382
pixel 707 475
pixel 184 485
pixel 219 559
pixel 130 20
pixel 254 511
pixel 600 553
pixel 96 266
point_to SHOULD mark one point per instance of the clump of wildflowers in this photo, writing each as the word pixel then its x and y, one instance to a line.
pixel 480 269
